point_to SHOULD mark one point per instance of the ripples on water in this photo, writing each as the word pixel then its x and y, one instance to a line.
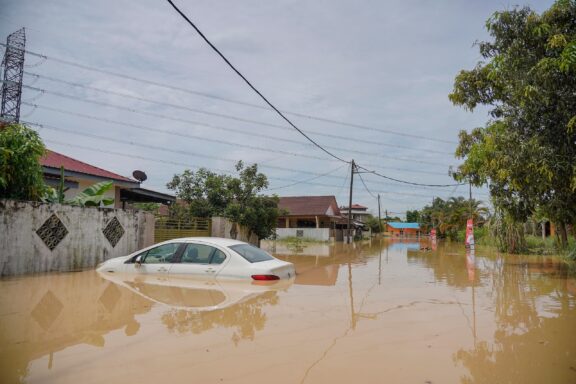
pixel 380 311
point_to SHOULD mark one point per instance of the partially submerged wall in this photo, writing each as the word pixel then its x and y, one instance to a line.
pixel 320 234
pixel 39 237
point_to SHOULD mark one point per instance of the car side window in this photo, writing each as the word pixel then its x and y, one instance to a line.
pixel 202 254
pixel 162 254
pixel 218 257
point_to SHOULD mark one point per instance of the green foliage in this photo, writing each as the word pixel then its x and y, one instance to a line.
pixel 526 152
pixel 148 207
pixel 20 171
pixel 373 224
pixel 52 195
pixel 450 216
pixel 481 236
pixel 413 216
pixel 204 192
pixel 508 233
pixel 208 194
pixel 93 196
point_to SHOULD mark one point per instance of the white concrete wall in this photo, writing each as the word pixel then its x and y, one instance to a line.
pixel 321 234
pixel 22 251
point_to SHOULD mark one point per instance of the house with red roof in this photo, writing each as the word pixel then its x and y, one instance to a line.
pixel 79 175
pixel 359 213
pixel 312 217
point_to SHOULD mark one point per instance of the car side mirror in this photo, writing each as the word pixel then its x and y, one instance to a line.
pixel 138 261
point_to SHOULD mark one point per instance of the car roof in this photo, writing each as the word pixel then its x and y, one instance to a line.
pixel 210 240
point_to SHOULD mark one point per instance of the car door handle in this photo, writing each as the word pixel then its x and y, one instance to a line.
pixel 210 270
pixel 162 269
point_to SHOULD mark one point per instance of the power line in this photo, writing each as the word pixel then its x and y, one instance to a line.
pixel 186 121
pixel 186 153
pixel 161 161
pixel 221 115
pixel 307 180
pixel 250 84
pixel 172 150
pixel 156 160
pixel 232 101
pixel 366 187
pixel 409 182
pixel 222 141
pixel 239 131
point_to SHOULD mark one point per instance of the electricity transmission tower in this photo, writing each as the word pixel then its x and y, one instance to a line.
pixel 13 66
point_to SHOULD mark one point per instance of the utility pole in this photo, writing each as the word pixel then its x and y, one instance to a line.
pixel 386 219
pixel 379 218
pixel 352 165
pixel 13 64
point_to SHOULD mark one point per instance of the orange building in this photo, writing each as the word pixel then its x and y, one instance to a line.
pixel 403 229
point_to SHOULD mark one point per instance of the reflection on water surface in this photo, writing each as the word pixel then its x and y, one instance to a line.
pixel 393 311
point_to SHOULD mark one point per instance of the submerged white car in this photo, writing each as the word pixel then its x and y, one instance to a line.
pixel 207 257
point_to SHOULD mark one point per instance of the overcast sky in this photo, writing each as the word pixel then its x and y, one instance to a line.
pixel 387 66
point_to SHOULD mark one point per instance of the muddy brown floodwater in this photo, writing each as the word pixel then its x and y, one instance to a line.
pixel 372 312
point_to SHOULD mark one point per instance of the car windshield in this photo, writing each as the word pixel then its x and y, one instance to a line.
pixel 251 253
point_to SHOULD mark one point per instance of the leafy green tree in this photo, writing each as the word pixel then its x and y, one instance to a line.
pixel 208 194
pixel 526 152
pixel 373 223
pixel 20 171
pixel 246 207
pixel 450 216
pixel 204 192
pixel 413 216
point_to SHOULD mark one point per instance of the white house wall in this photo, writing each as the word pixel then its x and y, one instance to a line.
pixel 320 234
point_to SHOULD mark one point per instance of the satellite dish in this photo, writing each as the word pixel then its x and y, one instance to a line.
pixel 139 175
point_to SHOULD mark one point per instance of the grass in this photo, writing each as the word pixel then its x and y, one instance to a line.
pixel 535 244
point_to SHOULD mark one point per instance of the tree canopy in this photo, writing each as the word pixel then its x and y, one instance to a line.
pixel 20 171
pixel 526 153
pixel 449 216
pixel 208 194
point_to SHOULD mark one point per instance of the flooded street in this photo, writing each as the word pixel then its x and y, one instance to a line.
pixel 372 312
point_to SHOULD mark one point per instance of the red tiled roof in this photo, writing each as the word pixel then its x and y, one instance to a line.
pixel 309 205
pixel 356 206
pixel 56 160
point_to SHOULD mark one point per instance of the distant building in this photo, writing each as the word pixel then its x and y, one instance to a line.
pixel 359 213
pixel 403 229
pixel 79 176
pixel 313 217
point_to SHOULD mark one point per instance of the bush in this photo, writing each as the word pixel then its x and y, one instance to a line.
pixel 20 171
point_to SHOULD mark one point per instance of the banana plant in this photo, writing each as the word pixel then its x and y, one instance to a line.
pixel 93 196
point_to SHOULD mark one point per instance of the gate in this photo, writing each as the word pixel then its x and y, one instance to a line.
pixel 167 228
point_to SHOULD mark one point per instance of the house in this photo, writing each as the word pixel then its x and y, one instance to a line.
pixel 359 213
pixel 313 217
pixel 79 175
pixel 403 229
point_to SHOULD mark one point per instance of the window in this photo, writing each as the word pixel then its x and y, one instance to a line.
pixel 202 254
pixel 218 257
pixel 251 253
pixel 162 254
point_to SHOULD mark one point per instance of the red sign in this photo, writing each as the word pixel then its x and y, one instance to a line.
pixel 469 234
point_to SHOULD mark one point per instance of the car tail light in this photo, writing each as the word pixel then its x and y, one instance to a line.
pixel 265 277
